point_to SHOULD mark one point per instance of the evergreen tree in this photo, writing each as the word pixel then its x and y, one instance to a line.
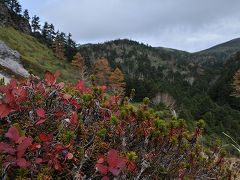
pixel 26 14
pixel 45 31
pixel 52 32
pixel 35 24
pixel 17 8
pixel 13 6
pixel 71 49
pixel 46 34
pixel 117 82
pixel 62 37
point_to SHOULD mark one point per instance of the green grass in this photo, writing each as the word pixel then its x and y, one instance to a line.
pixel 36 57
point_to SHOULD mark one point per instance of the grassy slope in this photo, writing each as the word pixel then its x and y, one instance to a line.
pixel 36 57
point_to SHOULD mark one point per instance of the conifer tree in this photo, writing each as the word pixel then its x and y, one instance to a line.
pixel 17 8
pixel 71 49
pixel 35 23
pixel 79 63
pixel 46 34
pixel 52 32
pixel 58 46
pixel 117 82
pixel 102 71
pixel 46 31
pixel 26 14
pixel 14 6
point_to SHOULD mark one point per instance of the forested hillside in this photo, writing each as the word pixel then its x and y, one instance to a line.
pixel 177 79
pixel 115 110
pixel 194 85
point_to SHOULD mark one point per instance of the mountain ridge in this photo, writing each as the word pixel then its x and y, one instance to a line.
pixel 235 42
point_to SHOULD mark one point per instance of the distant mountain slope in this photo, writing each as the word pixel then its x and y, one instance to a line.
pixel 184 77
pixel 36 57
pixel 215 57
pixel 226 47
pixel 221 92
pixel 140 61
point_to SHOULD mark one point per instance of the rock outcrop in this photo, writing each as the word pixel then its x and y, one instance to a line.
pixel 11 19
pixel 10 60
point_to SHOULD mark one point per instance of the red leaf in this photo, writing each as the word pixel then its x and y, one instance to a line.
pixel 9 98
pixel 13 134
pixel 105 178
pixel 103 88
pixel 10 158
pixel 60 85
pixel 7 148
pixel 100 160
pixel 114 171
pixel 50 78
pixel 121 163
pixel 69 156
pixel 114 160
pixel 67 96
pixel 12 84
pixel 131 166
pixel 4 110
pixel 20 94
pixel 80 86
pixel 57 165
pixel 41 112
pixel 75 103
pixel 35 146
pixel 45 137
pixel 58 148
pixel 38 160
pixel 20 140
pixel 23 146
pixel 41 88
pixel 102 169
pixel 59 113
pixel 41 121
pixel 21 162
pixel 74 118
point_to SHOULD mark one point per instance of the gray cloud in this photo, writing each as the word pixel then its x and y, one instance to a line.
pixel 183 24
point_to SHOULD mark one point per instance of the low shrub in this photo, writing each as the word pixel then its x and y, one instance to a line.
pixel 51 130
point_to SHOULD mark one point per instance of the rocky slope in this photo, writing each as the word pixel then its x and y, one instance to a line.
pixel 10 63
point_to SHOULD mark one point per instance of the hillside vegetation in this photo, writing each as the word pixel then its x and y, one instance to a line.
pixel 161 74
pixel 179 80
pixel 36 57
pixel 81 132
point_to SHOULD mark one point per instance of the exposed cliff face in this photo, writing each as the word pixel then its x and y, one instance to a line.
pixel 10 60
pixel 9 19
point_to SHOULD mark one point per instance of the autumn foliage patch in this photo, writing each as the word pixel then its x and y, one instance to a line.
pixel 50 129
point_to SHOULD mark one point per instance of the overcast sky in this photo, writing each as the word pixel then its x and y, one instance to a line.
pixel 190 25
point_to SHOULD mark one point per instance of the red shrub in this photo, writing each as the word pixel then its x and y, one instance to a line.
pixel 51 129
